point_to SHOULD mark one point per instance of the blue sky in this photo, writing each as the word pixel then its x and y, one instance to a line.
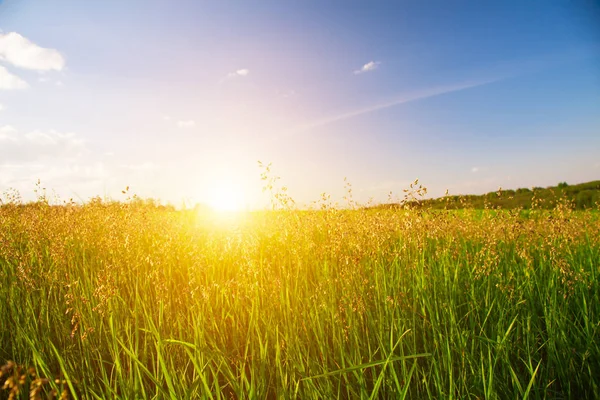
pixel 179 99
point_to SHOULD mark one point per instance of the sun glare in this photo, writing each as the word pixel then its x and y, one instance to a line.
pixel 227 198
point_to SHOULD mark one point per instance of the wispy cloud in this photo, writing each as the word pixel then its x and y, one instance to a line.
pixel 509 70
pixel 8 133
pixel 475 169
pixel 1 107
pixel 186 124
pixel 370 66
pixel 22 53
pixel 240 73
pixel 180 123
pixel 286 94
pixel 9 81
pixel 35 145
pixel 404 98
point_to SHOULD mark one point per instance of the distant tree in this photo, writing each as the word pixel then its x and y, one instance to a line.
pixel 586 199
pixel 581 196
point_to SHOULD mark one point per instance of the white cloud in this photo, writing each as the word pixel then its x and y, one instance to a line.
pixel 370 66
pixel 9 81
pixel 42 138
pixel 55 175
pixel 22 53
pixel 8 128
pixel 240 72
pixel 37 145
pixel 186 124
pixel 475 169
pixel 1 107
pixel 8 133
pixel 59 159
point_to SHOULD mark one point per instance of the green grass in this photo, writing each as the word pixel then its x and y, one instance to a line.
pixel 134 301
pixel 583 196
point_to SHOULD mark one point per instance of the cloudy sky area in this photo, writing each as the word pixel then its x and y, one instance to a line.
pixel 177 99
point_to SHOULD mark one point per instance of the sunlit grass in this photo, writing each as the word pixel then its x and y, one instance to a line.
pixel 133 300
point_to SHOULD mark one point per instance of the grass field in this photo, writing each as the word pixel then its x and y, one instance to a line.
pixel 125 300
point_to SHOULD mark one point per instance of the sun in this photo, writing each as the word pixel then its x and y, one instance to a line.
pixel 227 198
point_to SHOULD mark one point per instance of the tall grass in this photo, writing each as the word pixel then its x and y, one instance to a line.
pixel 135 301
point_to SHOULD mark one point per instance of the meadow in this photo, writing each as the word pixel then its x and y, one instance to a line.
pixel 133 300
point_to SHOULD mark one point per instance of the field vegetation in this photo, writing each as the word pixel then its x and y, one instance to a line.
pixel 134 300
pixel 582 196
